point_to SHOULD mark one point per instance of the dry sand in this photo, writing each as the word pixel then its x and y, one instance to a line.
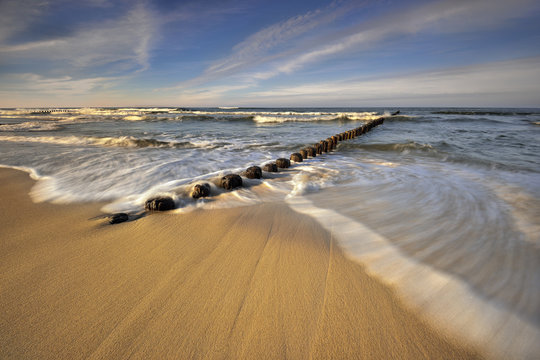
pixel 245 283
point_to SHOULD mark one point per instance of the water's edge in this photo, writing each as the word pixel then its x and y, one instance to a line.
pixel 443 300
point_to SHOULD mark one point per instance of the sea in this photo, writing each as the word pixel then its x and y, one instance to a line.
pixel 442 204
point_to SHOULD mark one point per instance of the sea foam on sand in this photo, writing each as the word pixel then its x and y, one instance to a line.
pixel 248 282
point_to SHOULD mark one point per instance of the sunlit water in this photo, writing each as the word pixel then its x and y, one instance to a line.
pixel 444 204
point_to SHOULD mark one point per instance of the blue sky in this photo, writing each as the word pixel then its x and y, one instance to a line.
pixel 269 53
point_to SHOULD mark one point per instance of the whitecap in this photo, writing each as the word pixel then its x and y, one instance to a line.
pixel 121 141
pixel 30 126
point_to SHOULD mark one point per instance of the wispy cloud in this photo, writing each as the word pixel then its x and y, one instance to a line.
pixel 503 83
pixel 124 41
pixel 91 57
pixel 91 53
pixel 65 85
pixel 256 47
pixel 29 89
pixel 144 44
pixel 15 15
pixel 262 47
pixel 272 42
pixel 444 16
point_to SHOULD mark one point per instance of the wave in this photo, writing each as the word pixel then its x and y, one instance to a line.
pixel 483 112
pixel 311 117
pixel 30 126
pixel 136 118
pixel 480 119
pixel 203 117
pixel 30 171
pixel 473 317
pixel 219 114
pixel 149 110
pixel 364 116
pixel 46 117
pixel 441 151
pixel 87 111
pixel 195 117
pixel 311 179
pixel 122 141
pixel 407 118
pixel 395 147
pixel 246 113
pixel 261 119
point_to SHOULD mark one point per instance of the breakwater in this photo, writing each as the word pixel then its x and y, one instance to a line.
pixel 234 181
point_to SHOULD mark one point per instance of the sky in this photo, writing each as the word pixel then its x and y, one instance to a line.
pixel 62 53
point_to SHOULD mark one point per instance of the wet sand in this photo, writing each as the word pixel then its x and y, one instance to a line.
pixel 252 282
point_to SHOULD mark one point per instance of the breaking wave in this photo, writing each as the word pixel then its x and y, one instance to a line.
pixel 30 126
pixel 259 116
pixel 136 118
pixel 122 141
pixel 295 116
pixel 483 112
pixel 394 147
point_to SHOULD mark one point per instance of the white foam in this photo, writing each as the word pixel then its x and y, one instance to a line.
pixel 180 190
pixel 138 114
pixel 32 172
pixel 121 141
pixel 280 117
pixel 13 112
pixel 205 144
pixel 143 110
pixel 251 113
pixel 443 299
pixel 364 116
pixel 283 118
pixel 135 118
pixel 310 179
pixel 66 140
pixel 30 126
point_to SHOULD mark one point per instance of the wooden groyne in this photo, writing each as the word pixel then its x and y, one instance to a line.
pixel 233 181
pixel 330 143
pixel 49 111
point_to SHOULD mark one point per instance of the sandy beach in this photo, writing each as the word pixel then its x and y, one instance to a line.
pixel 252 282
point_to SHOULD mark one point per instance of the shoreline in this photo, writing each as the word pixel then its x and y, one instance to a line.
pixel 249 282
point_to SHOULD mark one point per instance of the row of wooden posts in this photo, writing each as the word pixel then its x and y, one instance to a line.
pixel 232 181
pixel 331 142
pixel 49 111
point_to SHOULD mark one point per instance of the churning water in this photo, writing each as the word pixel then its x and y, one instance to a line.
pixel 443 204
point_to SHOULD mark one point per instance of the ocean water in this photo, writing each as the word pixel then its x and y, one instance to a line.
pixel 443 204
